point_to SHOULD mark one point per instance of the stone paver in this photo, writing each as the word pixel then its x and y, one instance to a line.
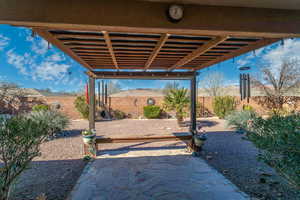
pixel 153 174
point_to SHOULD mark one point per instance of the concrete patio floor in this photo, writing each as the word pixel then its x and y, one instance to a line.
pixel 159 174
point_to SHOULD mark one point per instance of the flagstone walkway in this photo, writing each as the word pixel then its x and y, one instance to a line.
pixel 160 174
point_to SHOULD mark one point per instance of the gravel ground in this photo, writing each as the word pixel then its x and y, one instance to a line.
pixel 56 171
pixel 235 158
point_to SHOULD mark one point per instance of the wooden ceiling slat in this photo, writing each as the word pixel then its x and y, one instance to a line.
pixel 255 45
pixel 110 48
pixel 145 51
pixel 201 50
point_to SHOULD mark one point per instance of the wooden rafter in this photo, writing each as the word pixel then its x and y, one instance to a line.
pixel 201 50
pixel 255 45
pixel 110 48
pixel 156 50
pixel 47 36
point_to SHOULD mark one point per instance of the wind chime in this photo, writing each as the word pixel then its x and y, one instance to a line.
pixel 245 87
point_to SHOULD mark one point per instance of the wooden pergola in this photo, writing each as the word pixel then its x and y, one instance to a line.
pixel 135 40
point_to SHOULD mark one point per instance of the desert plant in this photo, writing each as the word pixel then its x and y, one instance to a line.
pixel 118 114
pixel 248 108
pixel 152 112
pixel 20 138
pixel 279 137
pixel 240 119
pixel 82 106
pixel 177 100
pixel 55 120
pixel 40 107
pixel 223 105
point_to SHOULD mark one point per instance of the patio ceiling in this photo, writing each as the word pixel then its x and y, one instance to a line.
pixel 99 50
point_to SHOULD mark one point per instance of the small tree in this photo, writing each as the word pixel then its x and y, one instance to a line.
pixel 82 106
pixel 20 138
pixel 177 100
pixel 213 84
pixel 279 84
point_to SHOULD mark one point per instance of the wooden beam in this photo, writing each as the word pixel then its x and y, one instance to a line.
pixel 156 50
pixel 141 75
pixel 201 50
pixel 144 139
pixel 47 36
pixel 235 53
pixel 110 48
pixel 149 17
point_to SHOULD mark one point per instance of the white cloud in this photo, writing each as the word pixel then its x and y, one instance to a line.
pixel 46 70
pixel 249 56
pixel 56 57
pixel 50 71
pixel 40 46
pixel 18 61
pixel 290 50
pixel 4 41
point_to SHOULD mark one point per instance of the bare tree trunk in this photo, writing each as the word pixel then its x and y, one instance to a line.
pixel 4 193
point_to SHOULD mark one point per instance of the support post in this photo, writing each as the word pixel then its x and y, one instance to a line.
pixel 193 104
pixel 99 97
pixel 102 88
pixel 105 94
pixel 91 103
pixel 193 127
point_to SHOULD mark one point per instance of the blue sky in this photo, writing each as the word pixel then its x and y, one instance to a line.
pixel 32 63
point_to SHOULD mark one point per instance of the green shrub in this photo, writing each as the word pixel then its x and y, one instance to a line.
pixel 248 108
pixel 55 121
pixel 240 119
pixel 82 106
pixel 20 138
pixel 223 105
pixel 152 112
pixel 279 137
pixel 118 114
pixel 40 107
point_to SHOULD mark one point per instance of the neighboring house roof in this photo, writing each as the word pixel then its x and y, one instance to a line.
pixel 138 92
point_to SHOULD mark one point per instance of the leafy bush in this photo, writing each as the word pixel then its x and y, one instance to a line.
pixel 152 112
pixel 177 100
pixel 118 114
pixel 82 106
pixel 40 107
pixel 20 138
pixel 55 120
pixel 248 108
pixel 240 119
pixel 223 105
pixel 279 137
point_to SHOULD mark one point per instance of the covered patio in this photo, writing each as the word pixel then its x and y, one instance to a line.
pixel 138 40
